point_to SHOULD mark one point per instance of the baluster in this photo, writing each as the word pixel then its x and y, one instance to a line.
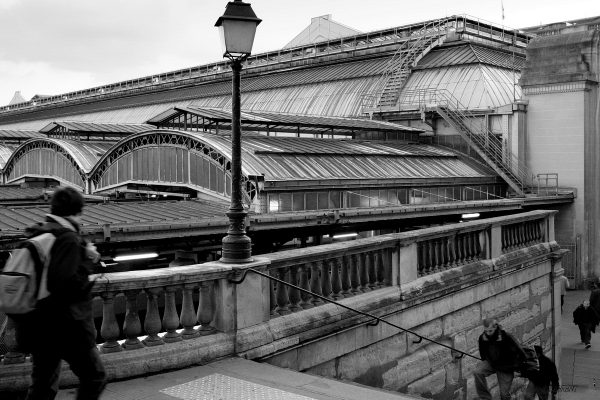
pixel 444 253
pixel 315 282
pixel 460 256
pixel 294 293
pixel 132 327
pixel 422 257
pixel 336 278
pixel 430 257
pixel 355 273
pixel 372 268
pixel 379 268
pixel 363 273
pixel 326 279
pixel 273 295
pixel 188 317
pixel 451 252
pixel 283 300
pixel 152 324
pixel 10 339
pixel 527 232
pixel 437 256
pixel 511 237
pixel 170 319
pixel 206 310
pixel 504 239
pixel 346 283
pixel 110 328
pixel 469 245
pixel 305 284
pixel 465 243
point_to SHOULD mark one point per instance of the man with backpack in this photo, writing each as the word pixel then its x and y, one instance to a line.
pixel 61 326
pixel 539 382
pixel 502 355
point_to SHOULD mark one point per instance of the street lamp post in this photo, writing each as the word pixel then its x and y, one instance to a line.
pixel 237 27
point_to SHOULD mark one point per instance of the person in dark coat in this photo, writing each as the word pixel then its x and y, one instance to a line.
pixel 586 318
pixel 61 327
pixel 502 355
pixel 540 383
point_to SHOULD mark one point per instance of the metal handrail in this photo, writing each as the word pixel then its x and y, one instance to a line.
pixel 479 135
pixel 376 319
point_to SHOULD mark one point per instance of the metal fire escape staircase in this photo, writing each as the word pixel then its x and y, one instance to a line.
pixel 398 68
pixel 479 137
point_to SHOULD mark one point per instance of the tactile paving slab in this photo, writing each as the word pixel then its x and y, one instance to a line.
pixel 223 387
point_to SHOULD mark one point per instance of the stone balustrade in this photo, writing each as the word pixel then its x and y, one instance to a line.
pixel 185 303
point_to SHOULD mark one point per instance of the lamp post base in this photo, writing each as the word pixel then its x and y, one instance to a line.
pixel 237 247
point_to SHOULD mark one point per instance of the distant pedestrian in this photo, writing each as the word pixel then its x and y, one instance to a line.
pixel 539 384
pixel 502 355
pixel 66 315
pixel 564 285
pixel 586 318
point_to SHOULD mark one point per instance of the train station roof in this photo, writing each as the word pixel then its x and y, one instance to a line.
pixel 265 121
pixel 92 130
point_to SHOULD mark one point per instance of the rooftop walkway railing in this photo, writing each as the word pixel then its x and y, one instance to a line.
pixel 183 303
pixel 477 28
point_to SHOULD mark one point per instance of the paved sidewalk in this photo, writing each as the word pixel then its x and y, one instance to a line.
pixel 579 368
pixel 237 379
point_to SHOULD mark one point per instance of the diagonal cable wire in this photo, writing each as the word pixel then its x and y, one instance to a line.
pixel 421 337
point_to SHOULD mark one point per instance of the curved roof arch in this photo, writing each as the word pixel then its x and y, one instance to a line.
pixel 65 160
pixel 171 157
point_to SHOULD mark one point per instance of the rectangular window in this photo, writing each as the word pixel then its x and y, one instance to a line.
pixel 298 202
pixel 311 201
pixel 285 202
pixel 273 202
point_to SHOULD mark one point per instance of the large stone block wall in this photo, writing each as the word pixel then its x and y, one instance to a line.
pixel 382 356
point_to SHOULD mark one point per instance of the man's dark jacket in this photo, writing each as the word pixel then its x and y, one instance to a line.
pixel 64 318
pixel 501 350
pixel 583 315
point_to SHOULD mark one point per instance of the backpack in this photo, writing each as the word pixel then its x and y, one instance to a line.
pixel 530 366
pixel 24 278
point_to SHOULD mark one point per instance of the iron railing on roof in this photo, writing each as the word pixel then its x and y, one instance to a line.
pixel 474 27
pixel 484 141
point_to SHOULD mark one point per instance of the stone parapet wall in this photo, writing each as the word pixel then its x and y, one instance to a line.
pixel 447 307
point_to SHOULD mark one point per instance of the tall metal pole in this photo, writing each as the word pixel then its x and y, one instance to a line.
pixel 236 245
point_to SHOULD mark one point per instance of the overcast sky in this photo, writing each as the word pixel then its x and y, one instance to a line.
pixel 57 46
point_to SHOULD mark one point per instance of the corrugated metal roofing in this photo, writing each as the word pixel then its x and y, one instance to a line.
pixel 476 86
pixel 78 126
pixel 85 154
pixel 18 193
pixel 326 90
pixel 17 218
pixel 271 118
pixel 282 158
pixel 19 134
pixel 470 54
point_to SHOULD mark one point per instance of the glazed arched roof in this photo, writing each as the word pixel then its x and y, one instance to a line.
pixel 293 159
pixel 84 155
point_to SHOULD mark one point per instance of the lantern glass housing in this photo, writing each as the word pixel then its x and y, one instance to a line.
pixel 237 27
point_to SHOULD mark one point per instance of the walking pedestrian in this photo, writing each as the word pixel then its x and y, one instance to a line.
pixel 586 318
pixel 66 315
pixel 539 384
pixel 502 355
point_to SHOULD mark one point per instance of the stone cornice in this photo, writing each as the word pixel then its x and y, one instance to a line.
pixel 565 87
